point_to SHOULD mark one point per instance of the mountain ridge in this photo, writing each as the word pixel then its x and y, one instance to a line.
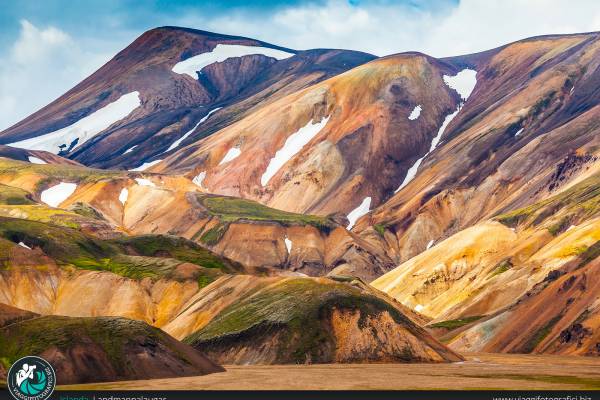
pixel 402 197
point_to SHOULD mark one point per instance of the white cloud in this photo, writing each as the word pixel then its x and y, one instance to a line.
pixel 34 44
pixel 41 65
pixel 384 28
pixel 45 62
pixel 480 25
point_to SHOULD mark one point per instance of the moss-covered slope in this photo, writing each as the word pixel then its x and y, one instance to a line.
pixel 149 256
pixel 101 349
pixel 312 320
pixel 559 212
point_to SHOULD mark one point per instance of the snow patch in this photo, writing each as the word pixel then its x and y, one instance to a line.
pixel 447 120
pixel 464 82
pixel 414 114
pixel 431 242
pixel 221 53
pixel 129 150
pixel 145 166
pixel 144 182
pixel 232 153
pixel 24 245
pixel 411 173
pixel 419 308
pixel 55 195
pixel 288 244
pixel 123 195
pixel 35 160
pixel 293 144
pixel 198 179
pixel 84 129
pixel 519 132
pixel 181 139
pixel 358 212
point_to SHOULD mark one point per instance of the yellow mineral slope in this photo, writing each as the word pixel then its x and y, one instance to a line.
pixel 524 282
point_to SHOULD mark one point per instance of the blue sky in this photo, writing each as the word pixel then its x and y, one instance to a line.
pixel 47 46
pixel 117 20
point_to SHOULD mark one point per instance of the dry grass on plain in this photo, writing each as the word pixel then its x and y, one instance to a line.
pixel 479 371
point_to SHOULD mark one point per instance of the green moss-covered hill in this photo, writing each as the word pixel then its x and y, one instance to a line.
pixel 313 320
pixel 136 257
pixel 98 349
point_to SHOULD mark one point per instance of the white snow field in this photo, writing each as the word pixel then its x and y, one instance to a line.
pixel 35 160
pixel 293 144
pixel 181 139
pixel 123 195
pixel 415 113
pixel 288 244
pixel 464 82
pixel 85 128
pixel 358 212
pixel 145 166
pixel 55 195
pixel 198 179
pixel 221 53
pixel 232 153
pixel 431 242
pixel 144 182
pixel 24 245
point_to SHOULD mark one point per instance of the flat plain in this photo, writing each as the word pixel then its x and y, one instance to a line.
pixel 479 371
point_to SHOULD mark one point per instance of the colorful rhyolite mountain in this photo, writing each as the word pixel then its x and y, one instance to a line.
pixel 240 196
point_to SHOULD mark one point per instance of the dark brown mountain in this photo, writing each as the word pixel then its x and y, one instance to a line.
pixel 173 103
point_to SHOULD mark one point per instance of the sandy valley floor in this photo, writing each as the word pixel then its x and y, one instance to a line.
pixel 480 371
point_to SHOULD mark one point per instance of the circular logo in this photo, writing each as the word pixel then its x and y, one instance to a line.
pixel 31 378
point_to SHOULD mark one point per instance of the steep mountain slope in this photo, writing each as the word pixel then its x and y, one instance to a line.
pixel 329 147
pixel 522 284
pixel 171 283
pixel 302 320
pixel 477 177
pixel 529 127
pixel 97 349
pixel 255 320
pixel 348 143
pixel 558 316
pixel 49 264
pixel 264 240
pixel 142 101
